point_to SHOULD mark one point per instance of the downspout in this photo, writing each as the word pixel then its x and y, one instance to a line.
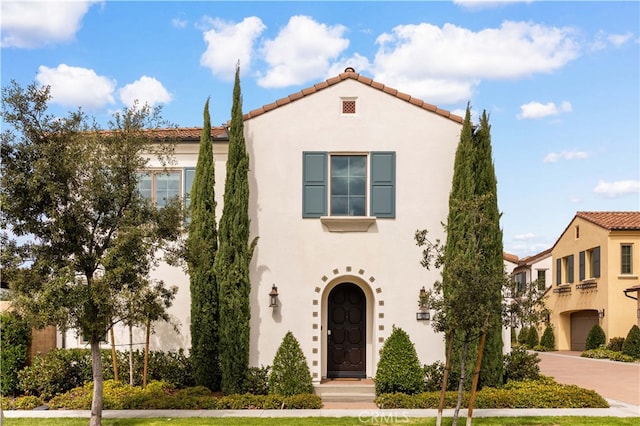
pixel 630 297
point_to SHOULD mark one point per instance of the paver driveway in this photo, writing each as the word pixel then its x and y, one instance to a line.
pixel 613 380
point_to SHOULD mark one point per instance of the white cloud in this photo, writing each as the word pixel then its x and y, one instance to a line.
pixel 179 22
pixel 539 110
pixel 446 63
pixel 303 50
pixel 145 90
pixel 554 157
pixel 228 43
pixel 603 40
pixel 524 237
pixel 30 24
pixel 77 87
pixel 486 4
pixel 617 189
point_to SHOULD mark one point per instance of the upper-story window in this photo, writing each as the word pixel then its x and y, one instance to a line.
pixel 626 254
pixel 542 279
pixel 520 279
pixel 345 184
pixel 160 186
pixel 589 263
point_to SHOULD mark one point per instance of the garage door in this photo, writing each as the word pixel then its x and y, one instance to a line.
pixel 581 323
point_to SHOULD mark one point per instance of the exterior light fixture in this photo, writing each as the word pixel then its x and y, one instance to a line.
pixel 601 313
pixel 423 313
pixel 273 297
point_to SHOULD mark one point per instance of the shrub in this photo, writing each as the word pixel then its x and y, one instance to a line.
pixel 433 376
pixel 399 369
pixel 598 353
pixel 548 340
pixel 521 365
pixel 290 374
pixel 615 344
pixel 28 402
pixel 532 337
pixel 619 356
pixel 595 338
pixel 523 335
pixel 541 393
pixel 256 380
pixel 14 342
pixel 631 344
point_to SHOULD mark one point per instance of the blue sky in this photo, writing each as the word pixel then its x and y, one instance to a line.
pixel 560 80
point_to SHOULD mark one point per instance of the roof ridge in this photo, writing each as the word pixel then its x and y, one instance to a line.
pixel 353 76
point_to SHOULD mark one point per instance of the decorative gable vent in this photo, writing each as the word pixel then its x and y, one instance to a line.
pixel 348 106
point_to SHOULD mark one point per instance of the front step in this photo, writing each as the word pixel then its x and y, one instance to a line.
pixel 346 391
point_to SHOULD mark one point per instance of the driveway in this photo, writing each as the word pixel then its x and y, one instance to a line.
pixel 613 380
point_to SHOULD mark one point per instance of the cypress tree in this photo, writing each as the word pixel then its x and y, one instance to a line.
pixel 490 243
pixel 202 244
pixel 234 255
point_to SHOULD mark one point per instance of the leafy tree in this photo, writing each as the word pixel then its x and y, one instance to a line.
pixel 290 373
pixel 469 296
pixel 548 340
pixel 202 244
pixel 631 345
pixel 526 307
pixel 595 338
pixel 490 245
pixel 233 257
pixel 399 369
pixel 70 189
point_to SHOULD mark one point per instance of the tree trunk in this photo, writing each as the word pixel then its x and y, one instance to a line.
pixel 465 347
pixel 476 375
pixel 145 370
pixel 130 354
pixel 445 376
pixel 96 403
pixel 114 358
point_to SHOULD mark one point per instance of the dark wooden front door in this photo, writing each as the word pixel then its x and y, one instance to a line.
pixel 346 351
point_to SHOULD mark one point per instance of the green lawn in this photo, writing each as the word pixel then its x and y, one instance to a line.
pixel 322 421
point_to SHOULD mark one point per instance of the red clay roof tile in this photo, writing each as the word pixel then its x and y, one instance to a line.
pixel 362 79
pixel 613 220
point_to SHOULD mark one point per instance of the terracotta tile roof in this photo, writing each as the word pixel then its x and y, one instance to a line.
pixel 533 258
pixel 188 133
pixel 510 257
pixel 353 76
pixel 613 220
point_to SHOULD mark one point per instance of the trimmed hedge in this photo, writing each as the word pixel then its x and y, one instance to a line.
pixel 548 339
pixel 541 393
pixel 595 338
pixel 631 345
pixel 290 374
pixel 162 395
pixel 15 336
pixel 399 369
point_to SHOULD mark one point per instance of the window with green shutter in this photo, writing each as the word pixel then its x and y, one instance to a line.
pixel 336 184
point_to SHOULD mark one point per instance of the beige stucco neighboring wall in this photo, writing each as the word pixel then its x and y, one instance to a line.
pixel 619 311
pixel 304 260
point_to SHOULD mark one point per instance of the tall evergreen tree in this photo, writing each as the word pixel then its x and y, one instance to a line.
pixel 490 243
pixel 202 245
pixel 234 256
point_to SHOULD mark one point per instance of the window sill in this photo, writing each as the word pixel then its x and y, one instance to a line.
pixel 347 223
pixel 627 277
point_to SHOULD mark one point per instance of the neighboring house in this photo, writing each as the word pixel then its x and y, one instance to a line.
pixel 594 260
pixel 533 269
pixel 634 293
pixel 342 174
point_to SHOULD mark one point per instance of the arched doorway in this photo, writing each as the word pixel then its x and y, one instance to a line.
pixel 346 332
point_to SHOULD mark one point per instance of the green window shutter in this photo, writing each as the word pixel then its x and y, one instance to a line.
pixel 558 271
pixel 581 261
pixel 314 184
pixel 383 183
pixel 596 262
pixel 570 268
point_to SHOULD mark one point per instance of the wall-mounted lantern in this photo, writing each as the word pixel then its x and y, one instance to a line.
pixel 601 313
pixel 423 313
pixel 273 297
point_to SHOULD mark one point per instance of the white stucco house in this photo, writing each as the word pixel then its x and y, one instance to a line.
pixel 342 174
